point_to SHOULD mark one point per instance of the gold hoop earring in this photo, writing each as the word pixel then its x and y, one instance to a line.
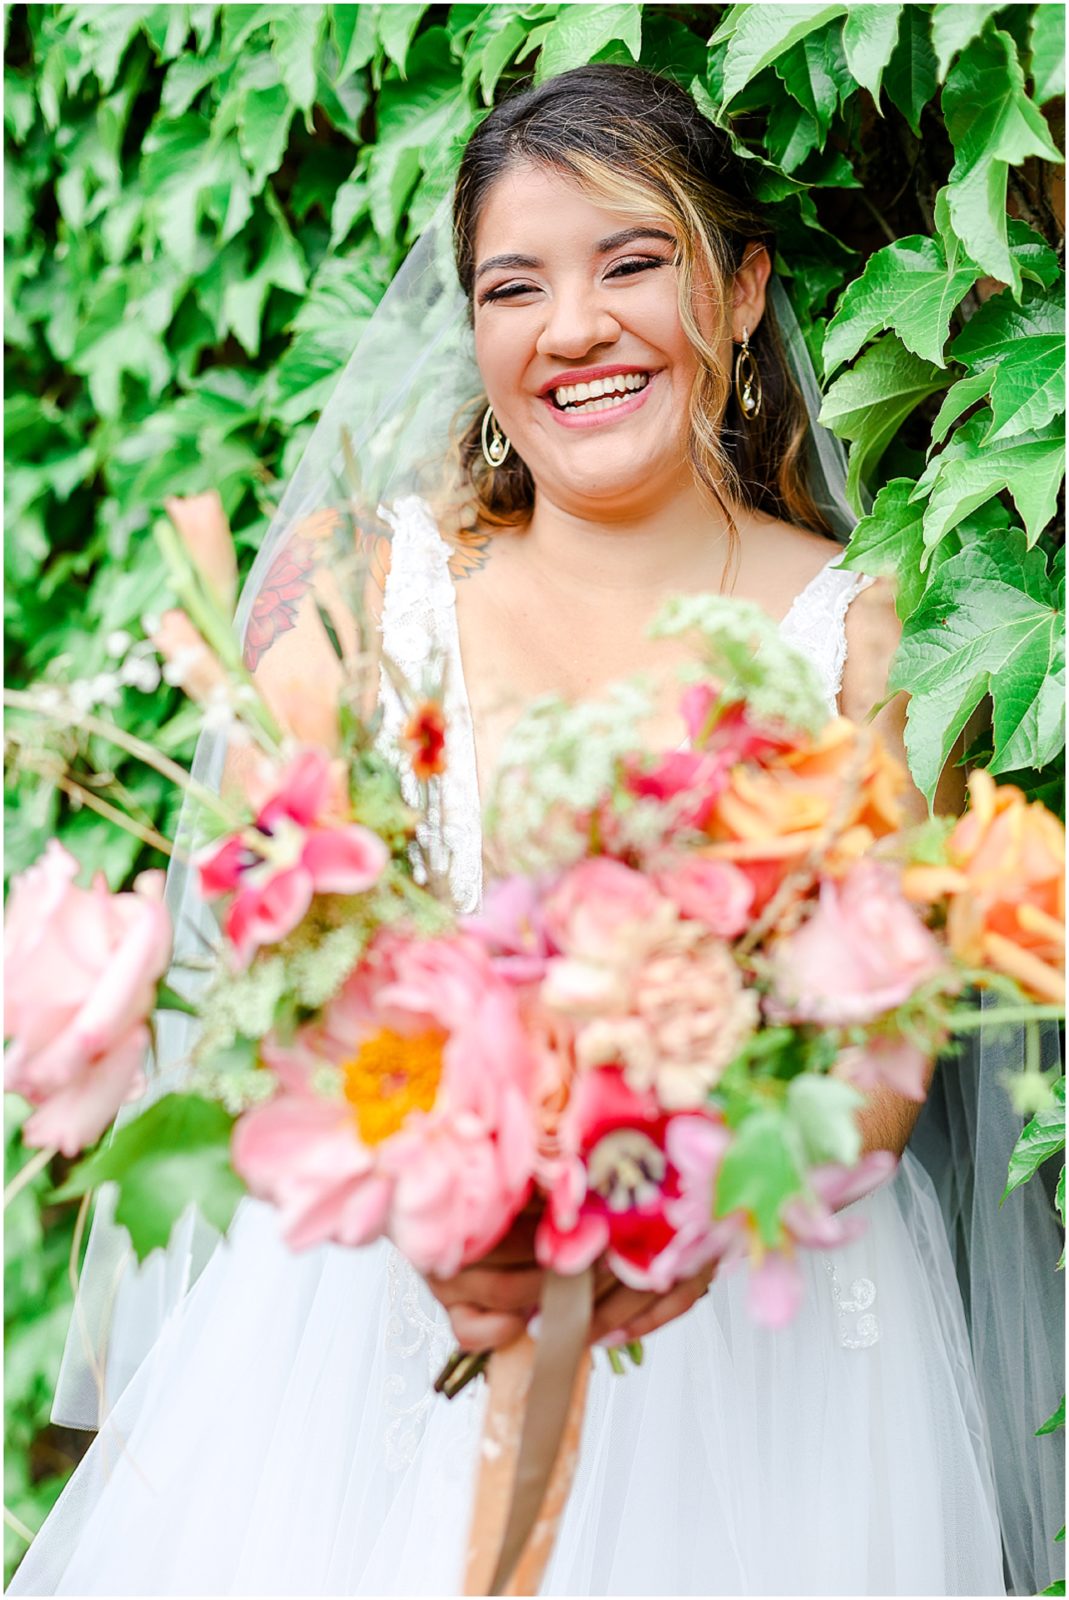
pixel 496 445
pixel 747 380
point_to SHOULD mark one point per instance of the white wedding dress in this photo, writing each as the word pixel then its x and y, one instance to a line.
pixel 282 1436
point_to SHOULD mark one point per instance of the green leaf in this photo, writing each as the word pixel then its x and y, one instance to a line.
pixel 990 623
pixel 175 1153
pixel 814 71
pixel 1059 1196
pixel 1055 1421
pixel 906 287
pixel 889 543
pixel 762 33
pixel 263 120
pixel 580 31
pixel 870 34
pixel 969 471
pixel 1048 52
pixel 355 38
pixel 295 39
pixel 1025 344
pixel 397 24
pixel 909 80
pixel 1041 1138
pixel 759 1173
pixel 993 125
pixel 823 1113
pixel 959 398
pixel 791 134
pixel 1037 261
pixel 281 266
pixel 954 27
pixel 869 403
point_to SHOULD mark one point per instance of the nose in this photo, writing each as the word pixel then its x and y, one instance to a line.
pixel 577 321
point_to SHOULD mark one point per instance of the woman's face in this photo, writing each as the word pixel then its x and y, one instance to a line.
pixel 580 344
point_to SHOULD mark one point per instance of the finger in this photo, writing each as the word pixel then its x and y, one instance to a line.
pixel 484 1330
pixel 617 1310
pixel 665 1309
pixel 490 1289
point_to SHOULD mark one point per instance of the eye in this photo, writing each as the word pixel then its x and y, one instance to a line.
pixel 507 291
pixel 627 269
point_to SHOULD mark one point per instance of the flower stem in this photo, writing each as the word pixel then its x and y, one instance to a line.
pixel 20 700
pixel 26 1174
pixel 1003 1016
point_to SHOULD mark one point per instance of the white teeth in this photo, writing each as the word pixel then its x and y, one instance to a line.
pixel 594 396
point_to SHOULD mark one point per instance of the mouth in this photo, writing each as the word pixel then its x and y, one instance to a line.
pixel 598 397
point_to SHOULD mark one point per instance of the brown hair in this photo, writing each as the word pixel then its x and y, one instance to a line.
pixel 638 142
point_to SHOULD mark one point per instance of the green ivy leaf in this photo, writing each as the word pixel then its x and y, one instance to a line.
pixel 906 287
pixel 579 32
pixel 759 1173
pixel 1025 346
pixel 969 471
pixel 1041 1138
pixel 889 543
pixel 815 72
pixel 965 393
pixel 759 37
pixel 791 134
pixel 870 34
pixel 355 38
pixel 909 80
pixel 954 27
pixel 869 403
pixel 175 1153
pixel 1037 261
pixel 397 26
pixel 1059 1196
pixel 295 37
pixel 263 122
pixel 992 125
pixel 990 623
pixel 1047 40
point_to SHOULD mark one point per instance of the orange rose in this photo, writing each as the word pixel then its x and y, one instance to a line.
pixel 774 814
pixel 1005 881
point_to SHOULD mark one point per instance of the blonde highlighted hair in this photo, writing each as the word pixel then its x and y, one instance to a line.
pixel 636 142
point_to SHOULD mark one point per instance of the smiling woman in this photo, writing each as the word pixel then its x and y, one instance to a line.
pixel 615 270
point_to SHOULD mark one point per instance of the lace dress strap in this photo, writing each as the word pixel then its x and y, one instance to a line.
pixel 419 634
pixel 816 623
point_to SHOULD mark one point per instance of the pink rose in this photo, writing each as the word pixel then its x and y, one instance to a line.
pixel 601 905
pixel 300 845
pixel 713 892
pixel 863 952
pixel 80 973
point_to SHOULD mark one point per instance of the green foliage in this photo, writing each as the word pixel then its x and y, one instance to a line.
pixel 204 203
pixel 1041 1138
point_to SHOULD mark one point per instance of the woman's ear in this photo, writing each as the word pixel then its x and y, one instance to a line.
pixel 748 301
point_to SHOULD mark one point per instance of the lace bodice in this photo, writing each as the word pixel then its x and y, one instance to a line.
pixel 419 630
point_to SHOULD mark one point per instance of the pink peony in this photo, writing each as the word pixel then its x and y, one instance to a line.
pixel 512 928
pixel 80 973
pixel 425 1133
pixel 625 1166
pixel 600 907
pixel 713 892
pixel 863 952
pixel 300 845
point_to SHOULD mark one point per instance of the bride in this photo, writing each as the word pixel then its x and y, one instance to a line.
pixel 640 434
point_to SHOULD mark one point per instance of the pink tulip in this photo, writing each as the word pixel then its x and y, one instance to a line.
pixel 863 952
pixel 205 531
pixel 427 1137
pixel 80 973
pixel 299 846
pixel 193 665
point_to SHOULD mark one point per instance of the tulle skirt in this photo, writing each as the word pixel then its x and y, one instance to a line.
pixel 282 1438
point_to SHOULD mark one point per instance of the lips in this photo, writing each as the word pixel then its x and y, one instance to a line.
pixel 602 379
pixel 591 403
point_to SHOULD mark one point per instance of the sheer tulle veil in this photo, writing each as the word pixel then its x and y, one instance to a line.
pixel 395 406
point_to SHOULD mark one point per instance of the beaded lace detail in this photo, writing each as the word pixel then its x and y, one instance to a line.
pixel 420 635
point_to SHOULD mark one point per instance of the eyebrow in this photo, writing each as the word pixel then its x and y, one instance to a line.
pixel 602 248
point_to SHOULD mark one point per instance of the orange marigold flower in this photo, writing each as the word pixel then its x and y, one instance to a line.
pixel 424 735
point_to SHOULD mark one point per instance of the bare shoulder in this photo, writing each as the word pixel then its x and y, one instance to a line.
pixel 778 560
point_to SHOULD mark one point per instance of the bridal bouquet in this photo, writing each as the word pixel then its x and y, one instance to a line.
pixel 657 1033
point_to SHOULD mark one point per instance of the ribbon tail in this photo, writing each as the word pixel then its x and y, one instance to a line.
pixel 530 1443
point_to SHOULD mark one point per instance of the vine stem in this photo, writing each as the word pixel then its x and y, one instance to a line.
pixel 17 1525
pixel 26 1174
pixel 20 700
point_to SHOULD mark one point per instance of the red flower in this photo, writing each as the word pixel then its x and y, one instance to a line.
pixel 424 734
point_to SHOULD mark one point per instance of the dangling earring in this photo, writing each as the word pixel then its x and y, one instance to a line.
pixel 747 380
pixel 496 445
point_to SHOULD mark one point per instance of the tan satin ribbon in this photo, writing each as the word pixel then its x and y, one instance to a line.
pixel 556 1390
